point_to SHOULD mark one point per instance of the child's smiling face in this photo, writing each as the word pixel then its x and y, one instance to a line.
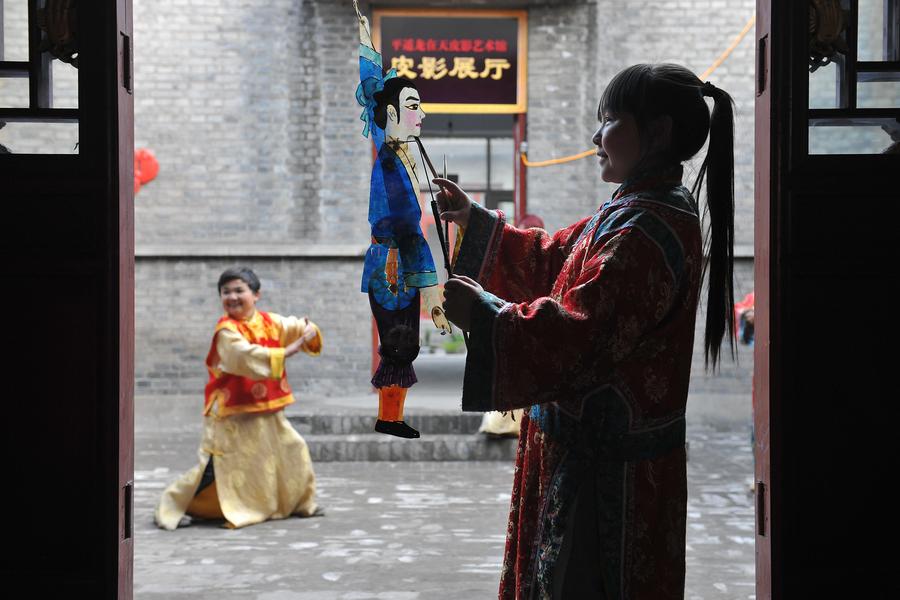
pixel 238 300
pixel 618 146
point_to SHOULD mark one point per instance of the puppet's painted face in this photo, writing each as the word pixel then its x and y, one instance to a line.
pixel 238 300
pixel 618 146
pixel 409 121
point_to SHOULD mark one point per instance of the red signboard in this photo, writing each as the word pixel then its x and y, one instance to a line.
pixel 461 61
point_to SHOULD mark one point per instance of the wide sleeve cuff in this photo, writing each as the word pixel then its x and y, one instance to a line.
pixel 276 362
pixel 478 382
pixel 479 243
pixel 420 280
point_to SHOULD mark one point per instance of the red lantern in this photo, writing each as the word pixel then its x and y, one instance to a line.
pixel 146 166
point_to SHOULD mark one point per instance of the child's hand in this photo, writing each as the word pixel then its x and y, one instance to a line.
pixel 294 347
pixel 460 294
pixel 454 203
pixel 308 335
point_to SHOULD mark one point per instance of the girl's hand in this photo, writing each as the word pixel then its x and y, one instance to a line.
pixel 454 203
pixel 460 294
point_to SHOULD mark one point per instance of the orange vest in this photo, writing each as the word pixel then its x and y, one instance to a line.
pixel 235 394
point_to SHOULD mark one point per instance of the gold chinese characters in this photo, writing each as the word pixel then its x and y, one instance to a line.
pixel 464 67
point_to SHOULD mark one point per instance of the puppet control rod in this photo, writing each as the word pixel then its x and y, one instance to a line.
pixel 442 237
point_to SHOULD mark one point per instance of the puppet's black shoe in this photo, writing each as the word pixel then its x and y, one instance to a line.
pixel 398 428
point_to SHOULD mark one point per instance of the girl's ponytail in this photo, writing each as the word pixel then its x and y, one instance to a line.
pixel 718 170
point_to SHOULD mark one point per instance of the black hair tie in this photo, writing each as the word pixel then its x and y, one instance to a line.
pixel 708 89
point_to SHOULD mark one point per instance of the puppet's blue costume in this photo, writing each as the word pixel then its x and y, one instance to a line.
pixel 394 216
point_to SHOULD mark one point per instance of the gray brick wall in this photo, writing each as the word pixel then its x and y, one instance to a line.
pixel 562 108
pixel 177 306
pixel 229 98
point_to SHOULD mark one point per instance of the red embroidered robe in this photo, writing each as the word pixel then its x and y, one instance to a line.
pixel 592 328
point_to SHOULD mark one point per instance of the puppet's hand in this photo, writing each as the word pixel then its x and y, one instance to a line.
pixel 365 38
pixel 431 298
pixel 460 294
pixel 391 268
pixel 439 318
pixel 359 14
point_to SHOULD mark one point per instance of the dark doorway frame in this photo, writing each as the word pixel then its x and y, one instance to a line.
pixel 69 257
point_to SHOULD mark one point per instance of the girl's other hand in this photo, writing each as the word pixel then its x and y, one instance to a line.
pixel 460 294
pixel 454 203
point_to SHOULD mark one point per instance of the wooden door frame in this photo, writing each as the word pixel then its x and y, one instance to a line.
pixel 765 154
pixel 123 200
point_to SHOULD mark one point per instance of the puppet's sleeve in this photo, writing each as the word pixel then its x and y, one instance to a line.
pixel 369 70
pixel 239 357
pixel 371 80
pixel 418 264
pixel 402 221
pixel 512 263
pixel 294 327
pixel 558 350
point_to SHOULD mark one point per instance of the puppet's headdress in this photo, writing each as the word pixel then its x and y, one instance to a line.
pixel 365 95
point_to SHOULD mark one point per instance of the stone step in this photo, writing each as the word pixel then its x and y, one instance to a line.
pixel 430 447
pixel 440 423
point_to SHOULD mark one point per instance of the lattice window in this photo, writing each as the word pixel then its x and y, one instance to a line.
pixel 854 80
pixel 38 111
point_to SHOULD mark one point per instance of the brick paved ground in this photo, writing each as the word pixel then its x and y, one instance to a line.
pixel 411 530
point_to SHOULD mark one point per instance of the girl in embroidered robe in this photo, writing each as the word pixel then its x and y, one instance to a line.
pixel 399 270
pixel 591 331
pixel 253 465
